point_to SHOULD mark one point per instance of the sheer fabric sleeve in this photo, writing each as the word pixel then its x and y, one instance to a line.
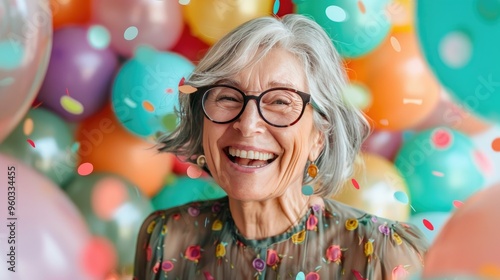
pixel 149 250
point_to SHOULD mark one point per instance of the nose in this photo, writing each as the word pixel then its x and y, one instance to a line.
pixel 250 123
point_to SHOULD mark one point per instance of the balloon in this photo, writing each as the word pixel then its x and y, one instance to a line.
pixel 139 22
pixel 81 69
pixel 466 244
pixel 190 46
pixel 106 145
pixel 52 151
pixel 355 27
pixel 430 223
pixel 283 7
pixel 113 210
pixel 461 46
pixel 384 143
pixel 441 165
pixel 25 43
pixel 210 20
pixel 68 12
pixel 44 236
pixel 448 113
pixel 399 82
pixel 375 187
pixel 145 92
pixel 184 190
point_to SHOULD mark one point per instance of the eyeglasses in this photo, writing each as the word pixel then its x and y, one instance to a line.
pixel 279 107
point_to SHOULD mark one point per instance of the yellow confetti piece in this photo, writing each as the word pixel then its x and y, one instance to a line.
pixel 187 89
pixel 71 105
pixel 490 270
pixel 148 106
pixel 28 126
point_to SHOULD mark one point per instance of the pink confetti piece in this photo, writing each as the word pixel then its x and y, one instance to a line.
pixel 31 143
pixel 437 173
pixel 85 168
pixel 428 224
pixel 457 203
pixel 355 183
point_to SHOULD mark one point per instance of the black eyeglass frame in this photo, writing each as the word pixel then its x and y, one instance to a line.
pixel 306 99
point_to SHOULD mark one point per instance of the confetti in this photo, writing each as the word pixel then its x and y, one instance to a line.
pixel 307 190
pixel 412 101
pixel 395 44
pixel 130 33
pixel 31 142
pixel 71 105
pixel 401 197
pixel 455 49
pixel 194 172
pixel 187 89
pixel 98 37
pixel 355 183
pixel 37 105
pixel 361 7
pixel 441 138
pixel 28 126
pixel 130 102
pixel 148 106
pixel 276 6
pixel 495 145
pixel 108 195
pixel 75 147
pixel 437 173
pixel 428 224
pixel 85 168
pixel 336 13
pixel 184 2
pixel 457 203
pixel 384 122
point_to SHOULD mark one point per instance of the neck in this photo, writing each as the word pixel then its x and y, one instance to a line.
pixel 261 219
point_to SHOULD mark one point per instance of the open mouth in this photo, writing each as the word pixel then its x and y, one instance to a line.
pixel 251 159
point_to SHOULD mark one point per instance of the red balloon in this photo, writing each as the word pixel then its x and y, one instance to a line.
pixel 286 7
pixel 190 46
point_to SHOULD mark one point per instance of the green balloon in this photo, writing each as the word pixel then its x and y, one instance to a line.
pixel 440 166
pixel 43 141
pixel 184 190
pixel 113 208
pixel 355 30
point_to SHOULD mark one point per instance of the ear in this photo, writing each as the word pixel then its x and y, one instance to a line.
pixel 318 142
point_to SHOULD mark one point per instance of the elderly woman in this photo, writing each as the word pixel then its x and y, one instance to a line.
pixel 263 113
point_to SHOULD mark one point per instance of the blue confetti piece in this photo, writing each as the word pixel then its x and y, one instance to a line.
pixel 276 7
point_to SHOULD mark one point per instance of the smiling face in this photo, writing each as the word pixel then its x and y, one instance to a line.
pixel 250 159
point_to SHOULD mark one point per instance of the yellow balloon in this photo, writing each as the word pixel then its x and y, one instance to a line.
pixel 401 14
pixel 210 20
pixel 377 189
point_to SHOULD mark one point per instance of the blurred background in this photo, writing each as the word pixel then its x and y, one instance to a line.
pixel 87 86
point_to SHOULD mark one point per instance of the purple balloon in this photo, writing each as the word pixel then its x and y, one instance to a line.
pixel 79 74
pixel 383 143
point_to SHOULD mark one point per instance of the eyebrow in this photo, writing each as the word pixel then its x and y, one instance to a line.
pixel 271 84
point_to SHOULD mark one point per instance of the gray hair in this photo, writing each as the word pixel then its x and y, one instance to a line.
pixel 343 126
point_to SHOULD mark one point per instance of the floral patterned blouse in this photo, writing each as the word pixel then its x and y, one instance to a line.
pixel 201 241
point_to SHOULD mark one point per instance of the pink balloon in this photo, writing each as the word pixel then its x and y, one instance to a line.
pixel 139 22
pixel 48 235
pixel 25 41
pixel 467 244
pixel 383 143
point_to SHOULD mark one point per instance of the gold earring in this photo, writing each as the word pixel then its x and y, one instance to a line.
pixel 201 160
pixel 312 170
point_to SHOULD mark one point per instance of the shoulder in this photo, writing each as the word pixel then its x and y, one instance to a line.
pixel 384 243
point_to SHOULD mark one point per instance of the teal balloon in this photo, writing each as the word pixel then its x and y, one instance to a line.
pixel 113 208
pixel 461 42
pixel 437 219
pixel 52 138
pixel 184 190
pixel 354 31
pixel 145 94
pixel 440 166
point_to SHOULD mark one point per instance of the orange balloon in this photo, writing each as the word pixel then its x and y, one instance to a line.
pixel 403 89
pixel 467 244
pixel 373 187
pixel 210 20
pixel 450 114
pixel 67 12
pixel 111 148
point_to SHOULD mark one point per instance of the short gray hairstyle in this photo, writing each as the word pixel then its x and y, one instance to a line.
pixel 343 126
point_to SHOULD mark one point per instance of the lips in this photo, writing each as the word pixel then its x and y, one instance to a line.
pixel 250 158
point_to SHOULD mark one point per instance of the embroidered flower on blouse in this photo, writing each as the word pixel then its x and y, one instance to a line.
pixel 258 264
pixel 167 266
pixel 151 227
pixel 216 207
pixel 333 254
pixel 149 253
pixel 176 216
pixel 217 225
pixel 164 229
pixel 156 267
pixel 220 250
pixel 368 248
pixel 193 253
pixel 312 221
pixel 351 224
pixel 384 229
pixel 299 237
pixel 316 207
pixel 374 219
pixel 272 258
pixel 399 272
pixel 312 276
pixel 397 238
pixel 193 211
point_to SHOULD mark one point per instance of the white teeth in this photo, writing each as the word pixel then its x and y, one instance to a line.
pixel 250 154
